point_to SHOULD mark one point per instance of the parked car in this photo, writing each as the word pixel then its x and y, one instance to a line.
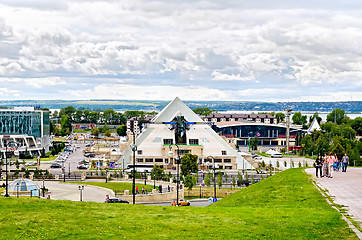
pixel 77 146
pixel 277 155
pixel 30 163
pixel 89 155
pixel 257 157
pixel 82 166
pixel 56 165
pixel 181 202
pixel 116 200
pixel 83 161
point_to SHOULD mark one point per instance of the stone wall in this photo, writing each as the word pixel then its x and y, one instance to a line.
pixel 209 192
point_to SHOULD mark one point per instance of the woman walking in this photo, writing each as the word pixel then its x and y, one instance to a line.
pixel 325 166
pixel 318 166
pixel 331 160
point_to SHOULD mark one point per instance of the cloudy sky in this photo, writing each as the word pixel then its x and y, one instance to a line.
pixel 263 50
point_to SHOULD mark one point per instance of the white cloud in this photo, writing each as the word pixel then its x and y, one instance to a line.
pixel 175 45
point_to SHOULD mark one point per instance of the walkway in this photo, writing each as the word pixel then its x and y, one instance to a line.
pixel 345 188
pixel 68 191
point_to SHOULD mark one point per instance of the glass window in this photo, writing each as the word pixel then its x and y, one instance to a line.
pixel 223 152
pixel 139 159
pixel 218 160
pixel 167 141
pixel 227 160
pixel 149 160
pixel 139 152
pixel 194 141
pixel 158 160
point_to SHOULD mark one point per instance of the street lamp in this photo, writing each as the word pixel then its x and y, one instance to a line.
pixel 170 153
pixel 214 176
pixel 6 165
pixel 134 149
pixel 17 189
pixel 81 188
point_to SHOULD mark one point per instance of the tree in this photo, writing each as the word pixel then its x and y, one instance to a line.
pixel 280 117
pixel 336 116
pixel 207 179
pixel 190 181
pixel 219 179
pixel 254 143
pixel 107 133
pixel 189 164
pixel 66 125
pixel 356 124
pixel 157 171
pixel 226 177
pixel 233 181
pixel 315 116
pixel 95 132
pixel 240 178
pixel 299 119
pixel 204 111
pixel 122 130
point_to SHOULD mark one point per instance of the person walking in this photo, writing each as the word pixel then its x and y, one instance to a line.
pixel 345 160
pixel 325 165
pixel 318 166
pixel 331 160
pixel 143 190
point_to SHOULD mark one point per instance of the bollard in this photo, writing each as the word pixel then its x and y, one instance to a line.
pixel 126 192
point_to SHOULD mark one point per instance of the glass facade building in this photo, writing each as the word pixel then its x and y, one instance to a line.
pixel 31 123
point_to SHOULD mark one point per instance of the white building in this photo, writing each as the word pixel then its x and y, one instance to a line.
pixel 154 142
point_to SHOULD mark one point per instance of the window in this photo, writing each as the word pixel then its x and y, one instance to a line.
pixel 218 160
pixel 139 159
pixel 167 141
pixel 227 160
pixel 139 152
pixel 228 167
pixel 194 141
pixel 223 152
pixel 149 160
pixel 158 160
pixel 183 152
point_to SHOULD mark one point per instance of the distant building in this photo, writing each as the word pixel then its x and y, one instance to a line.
pixel 27 128
pixel 257 118
pixel 269 135
pixel 136 124
pixel 159 137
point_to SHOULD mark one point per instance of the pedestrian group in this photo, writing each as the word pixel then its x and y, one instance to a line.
pixel 327 164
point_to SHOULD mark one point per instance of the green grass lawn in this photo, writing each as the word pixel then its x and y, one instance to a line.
pixel 50 158
pixel 285 206
pixel 119 186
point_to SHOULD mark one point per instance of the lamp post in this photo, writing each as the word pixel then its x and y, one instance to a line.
pixel 5 138
pixel 106 174
pixel 214 176
pixel 17 189
pixel 177 174
pixel 43 185
pixel 81 188
pixel 134 149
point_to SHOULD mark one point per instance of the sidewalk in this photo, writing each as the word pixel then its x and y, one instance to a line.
pixel 345 188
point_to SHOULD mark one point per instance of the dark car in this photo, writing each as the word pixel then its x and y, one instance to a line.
pixel 89 155
pixel 56 165
pixel 116 200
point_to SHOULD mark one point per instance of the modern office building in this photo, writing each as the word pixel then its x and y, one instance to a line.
pixel 194 136
pixel 25 128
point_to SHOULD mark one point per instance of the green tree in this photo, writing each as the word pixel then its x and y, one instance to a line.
pixel 233 181
pixel 95 132
pixel 219 180
pixel 316 116
pixel 336 116
pixel 207 179
pixel 254 143
pixel 226 177
pixel 189 164
pixel 107 133
pixel 190 181
pixel 66 126
pixel 157 171
pixel 204 111
pixel 299 119
pixel 356 124
pixel 280 117
pixel 122 130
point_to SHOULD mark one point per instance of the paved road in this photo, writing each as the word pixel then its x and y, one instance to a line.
pixel 346 189
pixel 193 203
pixel 68 191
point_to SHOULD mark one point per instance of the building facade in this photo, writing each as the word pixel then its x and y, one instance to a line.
pixel 257 118
pixel 159 138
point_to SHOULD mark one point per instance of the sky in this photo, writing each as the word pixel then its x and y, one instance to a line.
pixel 250 50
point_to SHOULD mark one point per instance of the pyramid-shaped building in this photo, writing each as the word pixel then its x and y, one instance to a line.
pixel 153 144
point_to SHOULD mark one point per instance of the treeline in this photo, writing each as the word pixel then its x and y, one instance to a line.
pixel 69 115
pixel 337 135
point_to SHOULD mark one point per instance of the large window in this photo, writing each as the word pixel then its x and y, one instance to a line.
pixel 158 160
pixel 223 152
pixel 194 141
pixel 139 159
pixel 167 141
pixel 227 160
pixel 149 160
pixel 183 152
pixel 218 160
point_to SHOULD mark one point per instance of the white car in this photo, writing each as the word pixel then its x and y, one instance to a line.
pixel 277 155
pixel 30 163
pixel 59 159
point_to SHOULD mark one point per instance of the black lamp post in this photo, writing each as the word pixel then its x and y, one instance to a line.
pixel 5 138
pixel 178 163
pixel 214 175
pixel 106 174
pixel 134 149
pixel 17 189
pixel 81 188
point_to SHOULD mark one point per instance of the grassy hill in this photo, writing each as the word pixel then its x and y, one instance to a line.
pixel 286 206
